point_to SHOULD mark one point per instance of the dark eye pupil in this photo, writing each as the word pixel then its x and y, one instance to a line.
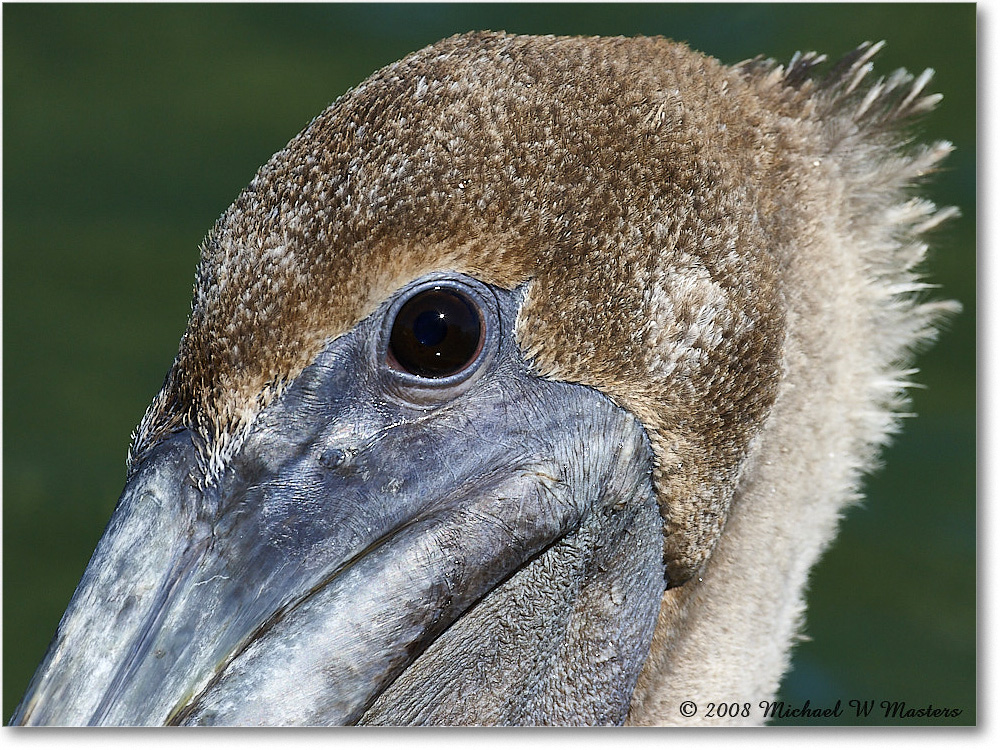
pixel 437 333
pixel 430 328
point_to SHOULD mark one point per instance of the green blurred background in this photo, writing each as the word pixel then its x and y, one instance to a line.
pixel 128 129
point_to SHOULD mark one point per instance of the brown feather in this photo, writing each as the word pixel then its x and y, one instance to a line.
pixel 653 199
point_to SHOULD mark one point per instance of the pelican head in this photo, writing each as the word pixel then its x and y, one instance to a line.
pixel 523 386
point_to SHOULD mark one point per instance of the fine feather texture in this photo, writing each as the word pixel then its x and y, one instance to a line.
pixel 729 253
pixel 575 164
pixel 855 313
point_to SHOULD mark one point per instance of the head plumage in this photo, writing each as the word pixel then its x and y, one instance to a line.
pixel 644 193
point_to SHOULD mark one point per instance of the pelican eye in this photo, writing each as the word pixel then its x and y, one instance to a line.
pixel 437 333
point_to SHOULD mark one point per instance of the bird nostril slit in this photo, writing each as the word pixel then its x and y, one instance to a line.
pixel 334 458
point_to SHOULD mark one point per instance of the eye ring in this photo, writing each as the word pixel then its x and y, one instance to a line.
pixel 436 335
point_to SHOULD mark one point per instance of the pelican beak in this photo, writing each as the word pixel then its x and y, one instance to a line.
pixel 353 553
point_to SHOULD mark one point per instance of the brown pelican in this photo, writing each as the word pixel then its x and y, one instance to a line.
pixel 523 386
